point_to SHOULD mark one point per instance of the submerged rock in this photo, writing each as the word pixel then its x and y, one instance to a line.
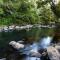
pixel 35 54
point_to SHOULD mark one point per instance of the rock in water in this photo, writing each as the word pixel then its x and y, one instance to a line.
pixel 3 59
pixel 35 54
pixel 53 53
pixel 58 48
pixel 16 45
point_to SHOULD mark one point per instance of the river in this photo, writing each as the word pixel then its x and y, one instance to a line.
pixel 35 39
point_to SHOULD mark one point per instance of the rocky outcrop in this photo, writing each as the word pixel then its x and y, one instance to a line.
pixel 53 52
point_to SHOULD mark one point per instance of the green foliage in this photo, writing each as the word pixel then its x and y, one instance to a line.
pixel 45 13
pixel 1 11
pixel 56 9
pixel 26 12
pixel 6 21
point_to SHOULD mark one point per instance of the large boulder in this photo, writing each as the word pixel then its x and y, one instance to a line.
pixel 53 53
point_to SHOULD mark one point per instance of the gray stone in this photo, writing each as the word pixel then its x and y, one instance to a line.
pixel 16 45
pixel 3 59
pixel 35 54
pixel 53 53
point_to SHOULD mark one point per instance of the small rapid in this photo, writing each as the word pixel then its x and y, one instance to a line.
pixel 32 51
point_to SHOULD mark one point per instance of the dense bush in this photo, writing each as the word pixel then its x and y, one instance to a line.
pixel 27 12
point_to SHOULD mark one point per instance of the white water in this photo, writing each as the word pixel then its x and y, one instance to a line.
pixel 45 42
pixel 30 49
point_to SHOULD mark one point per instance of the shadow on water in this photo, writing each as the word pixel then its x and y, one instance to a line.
pixel 34 39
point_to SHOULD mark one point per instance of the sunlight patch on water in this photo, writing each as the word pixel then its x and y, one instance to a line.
pixel 45 42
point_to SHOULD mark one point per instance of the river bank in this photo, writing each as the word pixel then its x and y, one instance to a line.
pixel 16 27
